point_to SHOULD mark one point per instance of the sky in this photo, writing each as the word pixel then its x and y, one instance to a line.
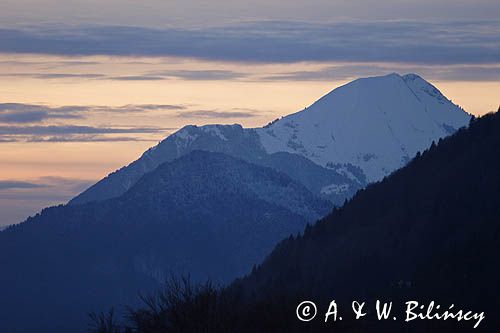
pixel 87 86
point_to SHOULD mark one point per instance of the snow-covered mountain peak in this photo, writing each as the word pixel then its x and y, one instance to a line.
pixel 375 123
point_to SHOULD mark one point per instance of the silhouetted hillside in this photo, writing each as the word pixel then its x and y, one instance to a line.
pixel 430 231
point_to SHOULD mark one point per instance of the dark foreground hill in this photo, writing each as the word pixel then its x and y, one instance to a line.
pixel 205 214
pixel 428 232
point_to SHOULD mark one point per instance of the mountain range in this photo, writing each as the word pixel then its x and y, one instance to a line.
pixel 429 233
pixel 354 135
pixel 212 201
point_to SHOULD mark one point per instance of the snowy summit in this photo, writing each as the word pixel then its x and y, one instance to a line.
pixel 376 123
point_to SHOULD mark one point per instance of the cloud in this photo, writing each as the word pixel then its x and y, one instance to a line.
pixel 135 78
pixel 85 138
pixel 16 184
pixel 206 13
pixel 49 76
pixel 24 117
pixel 49 64
pixel 74 129
pixel 18 123
pixel 36 107
pixel 330 73
pixel 145 107
pixel 431 42
pixel 202 74
pixel 464 73
pixel 152 76
pixel 33 116
pixel 74 133
pixel 352 71
pixel 29 113
pixel 136 108
pixel 233 113
pixel 33 113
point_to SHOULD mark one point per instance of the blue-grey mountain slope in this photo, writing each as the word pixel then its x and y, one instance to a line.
pixel 207 215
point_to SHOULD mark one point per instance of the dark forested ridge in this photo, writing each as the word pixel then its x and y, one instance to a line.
pixel 429 231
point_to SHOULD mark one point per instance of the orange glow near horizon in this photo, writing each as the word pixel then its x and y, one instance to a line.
pixel 116 81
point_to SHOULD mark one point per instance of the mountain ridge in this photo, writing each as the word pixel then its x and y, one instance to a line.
pixel 357 148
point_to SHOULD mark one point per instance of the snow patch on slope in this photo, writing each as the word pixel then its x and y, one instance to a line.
pixel 335 189
pixel 214 130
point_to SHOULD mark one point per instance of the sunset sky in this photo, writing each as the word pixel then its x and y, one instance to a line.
pixel 87 86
